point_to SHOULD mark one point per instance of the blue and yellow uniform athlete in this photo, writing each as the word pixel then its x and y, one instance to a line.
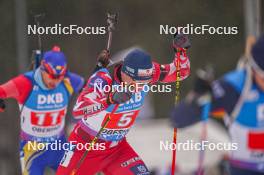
pixel 43 96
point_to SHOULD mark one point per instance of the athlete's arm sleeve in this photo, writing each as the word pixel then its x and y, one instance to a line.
pixel 92 99
pixel 188 111
pixel 166 73
pixel 77 82
pixel 18 88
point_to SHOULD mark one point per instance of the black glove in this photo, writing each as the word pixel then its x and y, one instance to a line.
pixel 118 97
pixel 2 105
pixel 204 78
pixel 103 58
pixel 181 41
pixel 202 86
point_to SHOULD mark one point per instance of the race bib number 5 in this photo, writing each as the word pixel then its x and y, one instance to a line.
pixel 47 118
pixel 121 120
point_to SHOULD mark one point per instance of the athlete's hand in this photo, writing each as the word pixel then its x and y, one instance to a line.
pixel 103 58
pixel 185 69
pixel 2 105
pixel 203 80
pixel 118 97
pixel 181 41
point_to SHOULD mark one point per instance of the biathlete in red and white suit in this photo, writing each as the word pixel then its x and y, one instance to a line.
pixel 116 156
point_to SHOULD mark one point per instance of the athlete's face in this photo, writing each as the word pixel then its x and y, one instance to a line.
pixel 50 81
pixel 129 81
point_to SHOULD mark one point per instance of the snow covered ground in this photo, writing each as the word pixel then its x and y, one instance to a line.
pixel 146 135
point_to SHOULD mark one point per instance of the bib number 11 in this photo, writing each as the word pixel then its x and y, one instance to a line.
pixel 47 119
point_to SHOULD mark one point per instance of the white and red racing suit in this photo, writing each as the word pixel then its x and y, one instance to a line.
pixel 92 108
